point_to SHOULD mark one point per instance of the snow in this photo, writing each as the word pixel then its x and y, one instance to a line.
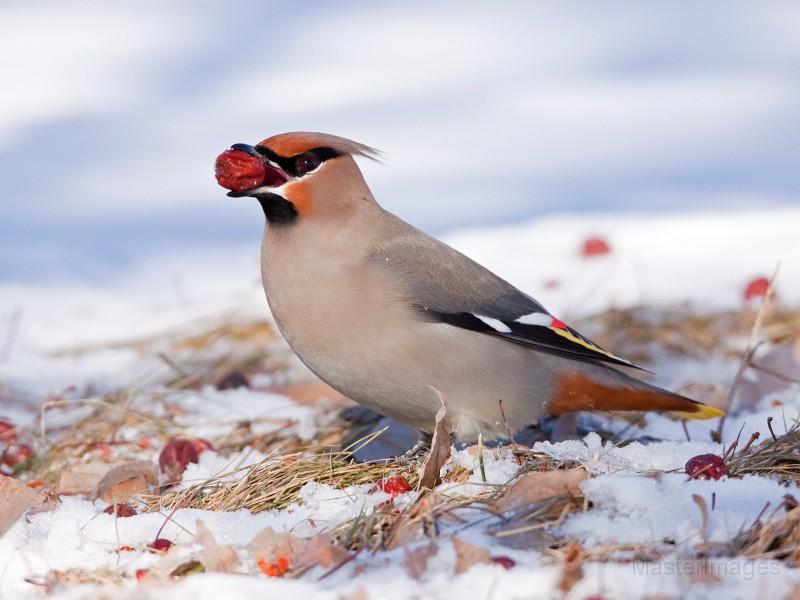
pixel 213 412
pixel 638 491
pixel 634 509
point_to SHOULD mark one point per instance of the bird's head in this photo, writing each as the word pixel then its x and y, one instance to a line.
pixel 297 175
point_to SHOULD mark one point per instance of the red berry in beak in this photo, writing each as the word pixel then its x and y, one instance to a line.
pixel 706 466
pixel 239 171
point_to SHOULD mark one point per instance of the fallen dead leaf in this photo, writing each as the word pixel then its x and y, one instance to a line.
pixel 571 567
pixel 214 556
pixel 468 554
pixel 701 504
pixel 82 479
pixel 416 561
pixel 190 567
pixel 538 485
pixel 270 545
pixel 322 550
pixel 440 449
pixel 15 499
pixel 126 480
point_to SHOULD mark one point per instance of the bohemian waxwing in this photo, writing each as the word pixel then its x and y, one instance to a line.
pixel 386 314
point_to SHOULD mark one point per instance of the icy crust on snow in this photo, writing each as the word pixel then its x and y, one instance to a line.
pixel 599 458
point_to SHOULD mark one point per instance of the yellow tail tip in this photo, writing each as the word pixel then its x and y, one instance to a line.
pixel 704 411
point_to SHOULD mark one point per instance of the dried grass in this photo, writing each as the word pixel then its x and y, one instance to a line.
pixel 635 332
pixel 276 481
pixel 778 457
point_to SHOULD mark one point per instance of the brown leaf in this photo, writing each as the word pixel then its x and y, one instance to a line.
pixel 701 504
pixel 15 499
pixel 269 545
pixel 468 554
pixel 82 479
pixel 416 561
pixel 190 567
pixel 571 568
pixel 440 449
pixel 215 557
pixel 538 485
pixel 322 550
pixel 126 480
pixel 405 530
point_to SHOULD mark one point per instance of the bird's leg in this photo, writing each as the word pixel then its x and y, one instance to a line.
pixel 422 446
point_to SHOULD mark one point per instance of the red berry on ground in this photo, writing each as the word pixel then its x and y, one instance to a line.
pixel 393 485
pixel 279 568
pixel 756 288
pixel 160 545
pixel 201 445
pixel 503 561
pixel 140 573
pixel 595 246
pixel 175 456
pixel 122 509
pixel 239 171
pixel 17 455
pixel 706 466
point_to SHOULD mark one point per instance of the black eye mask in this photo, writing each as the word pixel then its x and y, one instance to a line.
pixel 299 164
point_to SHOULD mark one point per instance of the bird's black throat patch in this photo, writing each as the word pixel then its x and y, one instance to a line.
pixel 277 209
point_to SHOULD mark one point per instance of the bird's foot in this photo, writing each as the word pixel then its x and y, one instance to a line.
pixel 418 450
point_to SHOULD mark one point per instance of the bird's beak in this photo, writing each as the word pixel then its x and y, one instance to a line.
pixel 274 175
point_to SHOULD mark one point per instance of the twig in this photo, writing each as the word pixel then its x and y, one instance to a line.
pixel 178 369
pixel 732 449
pixel 508 431
pixel 750 442
pixel 769 425
pixel 730 403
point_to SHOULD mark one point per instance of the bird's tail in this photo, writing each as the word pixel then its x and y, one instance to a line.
pixel 578 392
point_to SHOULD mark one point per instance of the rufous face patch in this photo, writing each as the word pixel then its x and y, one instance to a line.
pixel 299 194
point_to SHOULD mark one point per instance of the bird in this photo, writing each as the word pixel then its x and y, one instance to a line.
pixel 399 321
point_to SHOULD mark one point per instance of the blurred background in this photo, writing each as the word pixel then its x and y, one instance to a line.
pixel 112 113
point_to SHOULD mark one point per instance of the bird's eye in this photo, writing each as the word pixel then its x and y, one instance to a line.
pixel 305 163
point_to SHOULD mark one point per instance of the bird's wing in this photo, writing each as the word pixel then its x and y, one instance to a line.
pixel 445 286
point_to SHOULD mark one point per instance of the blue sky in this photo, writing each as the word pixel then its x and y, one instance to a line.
pixel 112 113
